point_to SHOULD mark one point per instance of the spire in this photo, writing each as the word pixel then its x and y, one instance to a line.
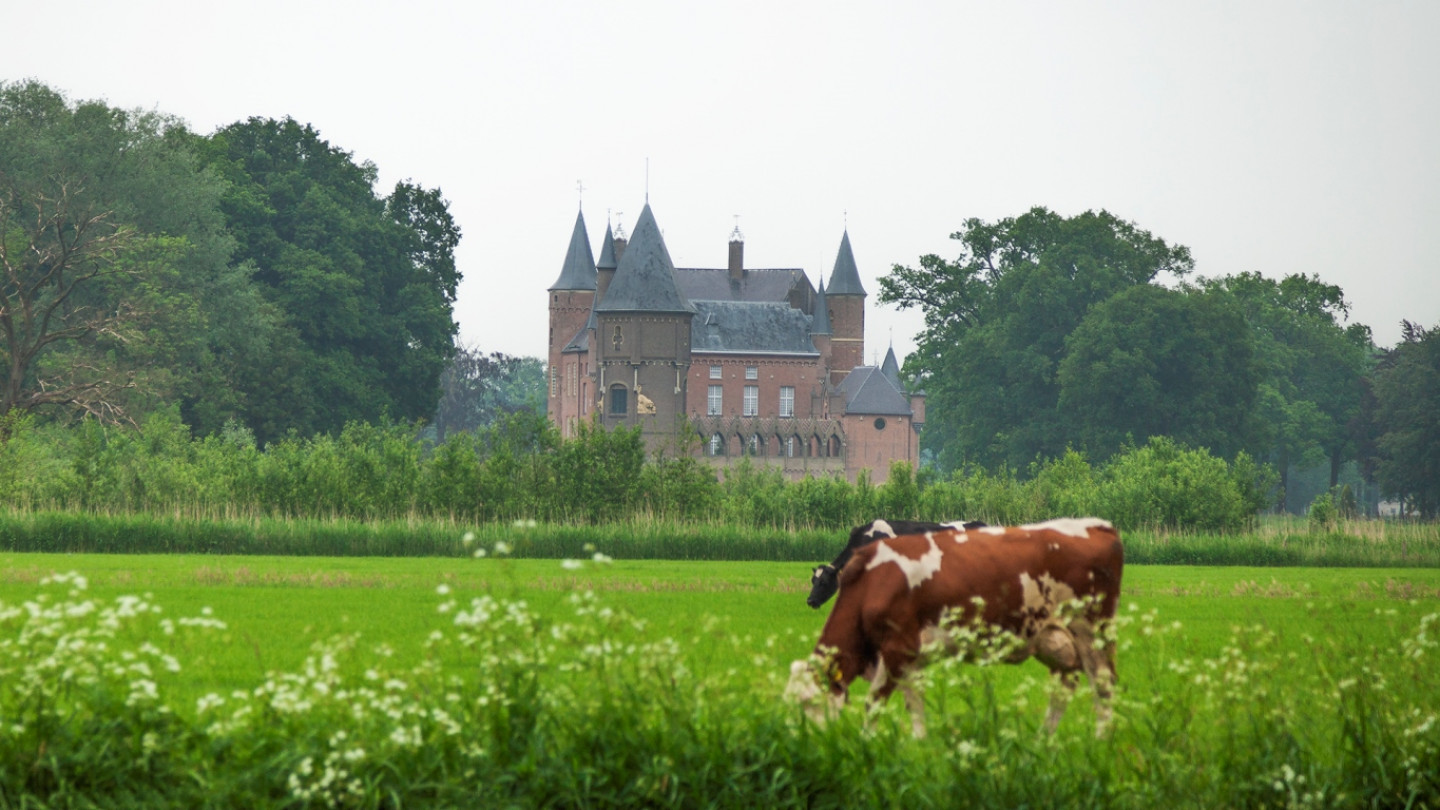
pixel 578 273
pixel 607 250
pixel 645 278
pixel 845 278
pixel 820 325
pixel 891 368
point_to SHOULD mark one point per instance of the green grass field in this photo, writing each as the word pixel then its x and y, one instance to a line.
pixel 725 614
pixel 1238 687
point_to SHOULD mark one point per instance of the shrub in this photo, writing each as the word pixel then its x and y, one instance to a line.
pixel 1165 484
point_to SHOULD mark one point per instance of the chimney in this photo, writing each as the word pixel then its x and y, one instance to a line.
pixel 737 255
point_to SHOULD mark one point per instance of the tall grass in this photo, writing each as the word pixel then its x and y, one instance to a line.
pixel 1276 542
pixel 586 707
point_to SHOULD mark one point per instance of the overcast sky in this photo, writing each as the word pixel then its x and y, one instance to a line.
pixel 1278 137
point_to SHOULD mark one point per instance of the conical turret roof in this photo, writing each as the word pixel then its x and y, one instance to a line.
pixel 645 278
pixel 607 249
pixel 578 273
pixel 891 368
pixel 845 278
pixel 821 323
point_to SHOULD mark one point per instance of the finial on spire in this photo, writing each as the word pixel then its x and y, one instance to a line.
pixel 620 225
pixel 735 235
pixel 580 192
pixel 647 180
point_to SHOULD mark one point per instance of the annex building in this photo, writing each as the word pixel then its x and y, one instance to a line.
pixel 760 363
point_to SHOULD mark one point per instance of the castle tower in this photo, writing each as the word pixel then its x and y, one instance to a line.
pixel 571 298
pixel 846 298
pixel 642 337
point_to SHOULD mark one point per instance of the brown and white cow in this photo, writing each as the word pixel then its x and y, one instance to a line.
pixel 1050 587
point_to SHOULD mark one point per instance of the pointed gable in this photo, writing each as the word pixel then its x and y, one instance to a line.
pixel 645 278
pixel 578 273
pixel 820 324
pixel 845 278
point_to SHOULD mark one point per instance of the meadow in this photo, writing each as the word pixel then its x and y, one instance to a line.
pixel 305 681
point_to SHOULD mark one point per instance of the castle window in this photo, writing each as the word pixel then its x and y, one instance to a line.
pixel 618 404
pixel 717 445
pixel 715 372
pixel 879 423
pixel 715 400
pixel 789 446
pixel 755 447
pixel 751 401
pixel 752 372
pixel 787 400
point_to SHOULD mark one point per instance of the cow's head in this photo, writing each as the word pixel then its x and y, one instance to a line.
pixel 824 582
pixel 815 686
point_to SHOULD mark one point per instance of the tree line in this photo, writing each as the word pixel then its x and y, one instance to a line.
pixel 250 275
pixel 1048 333
pixel 254 279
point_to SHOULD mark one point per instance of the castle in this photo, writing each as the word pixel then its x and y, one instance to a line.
pixel 759 362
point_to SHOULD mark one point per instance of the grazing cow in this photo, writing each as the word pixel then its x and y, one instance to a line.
pixel 1049 588
pixel 825 579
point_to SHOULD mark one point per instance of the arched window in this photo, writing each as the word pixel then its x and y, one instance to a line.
pixel 619 404
pixel 717 445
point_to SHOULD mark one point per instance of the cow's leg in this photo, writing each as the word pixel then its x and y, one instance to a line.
pixel 1100 668
pixel 1060 692
pixel 915 702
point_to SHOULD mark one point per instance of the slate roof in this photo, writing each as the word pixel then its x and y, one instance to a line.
pixel 704 284
pixel 607 249
pixel 750 328
pixel 868 391
pixel 845 278
pixel 578 272
pixel 820 325
pixel 645 278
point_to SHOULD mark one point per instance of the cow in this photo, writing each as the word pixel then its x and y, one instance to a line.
pixel 1049 589
pixel 825 579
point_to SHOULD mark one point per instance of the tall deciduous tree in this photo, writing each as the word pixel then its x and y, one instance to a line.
pixel 365 284
pixel 1150 361
pixel 1312 365
pixel 1407 417
pixel 478 388
pixel 996 321
pixel 116 293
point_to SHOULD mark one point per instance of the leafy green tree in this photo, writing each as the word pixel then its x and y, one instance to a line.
pixel 117 292
pixel 1156 362
pixel 1407 416
pixel 477 388
pixel 996 321
pixel 364 284
pixel 1311 366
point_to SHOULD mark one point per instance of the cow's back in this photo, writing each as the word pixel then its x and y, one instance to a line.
pixel 993 568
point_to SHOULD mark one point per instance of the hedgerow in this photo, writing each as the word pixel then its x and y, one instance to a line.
pixel 521 469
